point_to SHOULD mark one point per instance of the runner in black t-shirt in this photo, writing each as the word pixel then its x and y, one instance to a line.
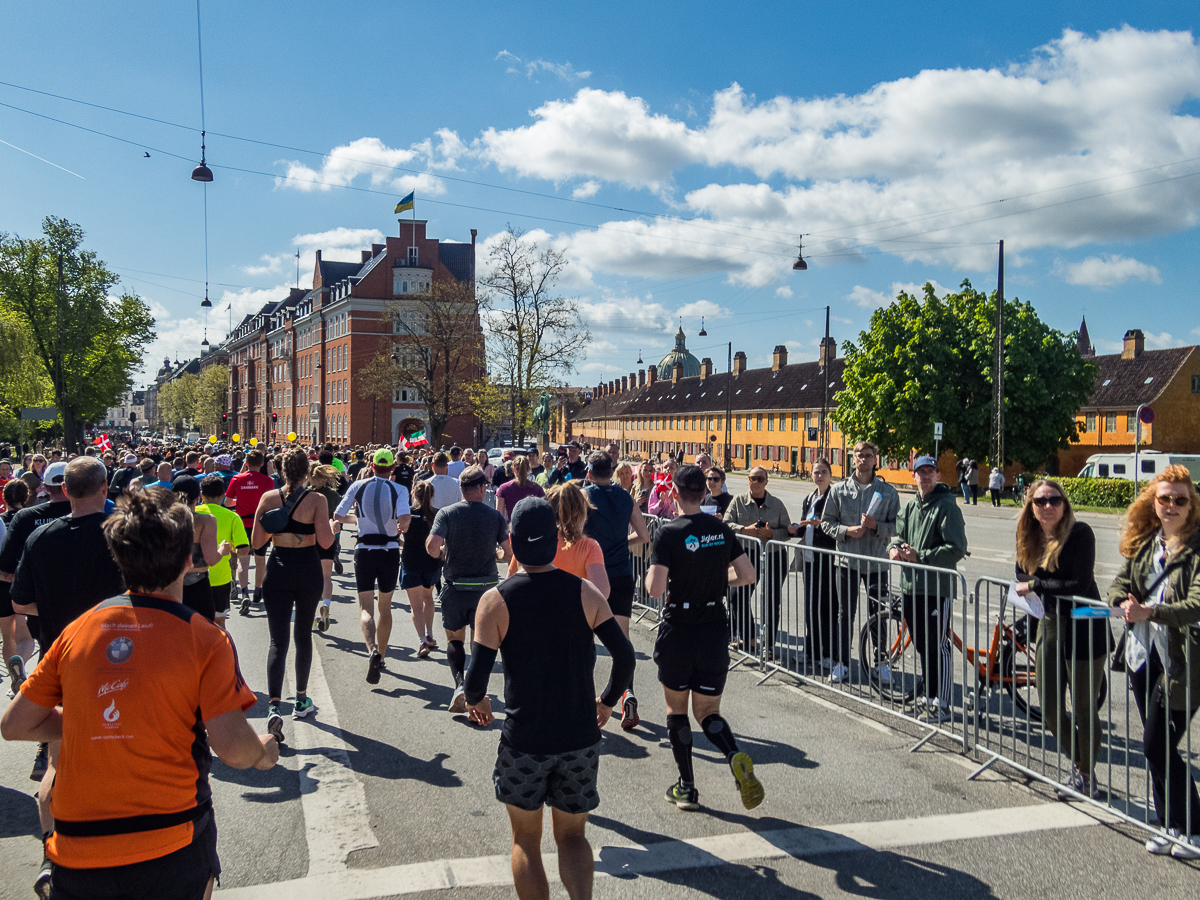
pixel 693 557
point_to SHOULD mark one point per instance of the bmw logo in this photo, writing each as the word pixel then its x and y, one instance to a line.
pixel 119 650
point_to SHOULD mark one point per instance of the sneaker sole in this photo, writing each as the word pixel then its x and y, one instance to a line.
pixel 422 652
pixel 244 609
pixel 753 793
pixel 16 672
pixel 459 704
pixel 275 727
pixel 323 620
pixel 629 716
pixel 303 713
pixel 41 887
pixel 374 667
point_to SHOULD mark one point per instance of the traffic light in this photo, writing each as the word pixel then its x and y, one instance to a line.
pixel 224 435
pixel 224 419
pixel 275 418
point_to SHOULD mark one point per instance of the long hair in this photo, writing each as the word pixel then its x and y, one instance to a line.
pixel 1034 550
pixel 571 506
pixel 1142 520
pixel 323 477
pixel 294 469
pixel 422 501
pixel 520 470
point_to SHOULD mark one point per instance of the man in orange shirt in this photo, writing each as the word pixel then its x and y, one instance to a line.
pixel 138 689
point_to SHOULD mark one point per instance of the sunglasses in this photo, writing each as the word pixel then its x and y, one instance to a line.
pixel 757 478
pixel 1169 499
pixel 1047 501
pixel 713 478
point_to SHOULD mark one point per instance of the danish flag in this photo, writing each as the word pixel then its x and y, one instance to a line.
pixel 103 443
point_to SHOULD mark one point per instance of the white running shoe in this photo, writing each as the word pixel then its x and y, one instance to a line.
pixel 1160 845
pixel 1190 849
pixel 458 703
pixel 840 674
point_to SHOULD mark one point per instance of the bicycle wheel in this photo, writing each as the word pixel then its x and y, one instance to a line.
pixel 886 652
pixel 1018 674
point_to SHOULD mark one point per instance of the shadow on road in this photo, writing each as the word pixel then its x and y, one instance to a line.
pixel 19 813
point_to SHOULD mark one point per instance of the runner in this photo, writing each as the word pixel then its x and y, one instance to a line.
pixel 245 491
pixel 132 806
pixel 446 490
pixel 544 623
pixel 206 551
pixel 697 557
pixel 466 534
pixel 420 571
pixel 380 507
pixel 293 579
pixel 611 517
pixel 323 480
pixel 231 531
pixel 18 644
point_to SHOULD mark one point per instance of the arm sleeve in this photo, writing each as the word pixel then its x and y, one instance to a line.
pixel 901 529
pixel 621 651
pixel 479 672
pixel 780 531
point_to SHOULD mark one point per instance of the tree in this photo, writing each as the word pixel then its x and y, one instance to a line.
pixel 533 333
pixel 439 353
pixel 211 395
pixel 88 342
pixel 488 403
pixel 23 380
pixel 177 399
pixel 922 362
pixel 377 381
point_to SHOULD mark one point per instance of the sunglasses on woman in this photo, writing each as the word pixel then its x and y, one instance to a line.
pixel 1168 499
pixel 1047 501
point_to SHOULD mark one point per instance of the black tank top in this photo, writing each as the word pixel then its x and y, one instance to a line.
pixel 294 527
pixel 549 655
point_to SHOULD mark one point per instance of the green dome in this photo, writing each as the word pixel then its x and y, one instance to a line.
pixel 691 365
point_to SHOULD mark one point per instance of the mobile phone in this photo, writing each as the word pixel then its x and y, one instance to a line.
pixel 762 523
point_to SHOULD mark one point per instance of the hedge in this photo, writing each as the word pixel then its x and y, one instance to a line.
pixel 1113 492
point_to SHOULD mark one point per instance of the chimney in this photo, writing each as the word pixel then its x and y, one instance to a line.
pixel 376 249
pixel 705 368
pixel 1135 343
pixel 828 351
pixel 739 363
pixel 633 385
pixel 651 375
pixel 624 384
pixel 779 360
pixel 642 378
pixel 474 234
pixel 676 372
pixel 366 256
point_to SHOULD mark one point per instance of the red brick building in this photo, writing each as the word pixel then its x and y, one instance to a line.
pixel 293 365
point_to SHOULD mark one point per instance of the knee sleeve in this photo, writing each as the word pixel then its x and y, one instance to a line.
pixel 719 734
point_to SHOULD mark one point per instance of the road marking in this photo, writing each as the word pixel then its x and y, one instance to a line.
pixel 334 803
pixel 674 855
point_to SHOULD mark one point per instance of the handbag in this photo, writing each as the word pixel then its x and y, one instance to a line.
pixel 276 520
pixel 1117 664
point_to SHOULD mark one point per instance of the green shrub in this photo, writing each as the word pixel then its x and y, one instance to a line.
pixel 1114 492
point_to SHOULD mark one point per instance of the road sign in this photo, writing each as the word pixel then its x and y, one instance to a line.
pixel 812 434
pixel 937 430
pixel 1146 415
pixel 39 413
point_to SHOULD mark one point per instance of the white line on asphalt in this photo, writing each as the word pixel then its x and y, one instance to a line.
pixel 673 855
pixel 336 818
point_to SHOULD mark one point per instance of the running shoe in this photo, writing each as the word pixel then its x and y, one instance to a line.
pixel 41 762
pixel 840 674
pixel 1189 849
pixel 303 708
pixel 275 723
pixel 244 608
pixel 41 884
pixel 629 713
pixel 337 566
pixel 1160 845
pixel 934 714
pixel 374 666
pixel 257 596
pixel 685 798
pixel 743 773
pixel 323 618
pixel 826 663
pixel 458 703
pixel 423 650
pixel 431 642
pixel 16 672
pixel 885 674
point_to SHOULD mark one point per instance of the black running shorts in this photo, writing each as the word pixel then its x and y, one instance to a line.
pixel 565 781
pixel 417 578
pixel 6 608
pixel 620 595
pixel 693 657
pixel 332 551
pixel 376 565
pixel 458 607
pixel 220 595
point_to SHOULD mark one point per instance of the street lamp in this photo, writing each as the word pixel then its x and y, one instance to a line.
pixel 202 172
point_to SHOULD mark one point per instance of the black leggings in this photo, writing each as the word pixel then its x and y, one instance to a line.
pixel 1161 735
pixel 294 579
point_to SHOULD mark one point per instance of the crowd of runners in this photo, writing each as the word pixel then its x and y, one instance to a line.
pixel 125 573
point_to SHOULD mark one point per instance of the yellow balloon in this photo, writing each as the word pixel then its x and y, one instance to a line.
pixel 291 435
pixel 253 442
pixel 212 438
pixel 237 438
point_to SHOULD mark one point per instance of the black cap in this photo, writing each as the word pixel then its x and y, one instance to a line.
pixel 690 478
pixel 188 486
pixel 534 530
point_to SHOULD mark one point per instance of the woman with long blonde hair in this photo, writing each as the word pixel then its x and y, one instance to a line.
pixel 1056 559
pixel 1159 590
pixel 577 553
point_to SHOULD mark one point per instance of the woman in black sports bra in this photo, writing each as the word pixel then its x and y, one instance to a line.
pixel 293 581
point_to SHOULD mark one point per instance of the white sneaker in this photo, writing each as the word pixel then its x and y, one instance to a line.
pixel 1160 845
pixel 935 713
pixel 1190 849
pixel 458 703
pixel 839 675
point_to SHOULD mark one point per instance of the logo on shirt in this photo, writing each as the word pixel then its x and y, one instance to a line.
pixel 112 687
pixel 692 543
pixel 112 713
pixel 119 650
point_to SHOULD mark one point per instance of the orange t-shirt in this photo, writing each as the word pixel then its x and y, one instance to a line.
pixel 137 677
pixel 574 559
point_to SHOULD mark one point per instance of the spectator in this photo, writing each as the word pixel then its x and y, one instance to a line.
pixel 624 476
pixel 973 482
pixel 456 465
pixel 513 492
pixel 820 587
pixel 568 468
pixel 644 486
pixel 716 495
pixel 996 484
pixel 662 499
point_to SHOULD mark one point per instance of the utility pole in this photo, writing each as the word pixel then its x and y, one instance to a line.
pixel 824 369
pixel 997 450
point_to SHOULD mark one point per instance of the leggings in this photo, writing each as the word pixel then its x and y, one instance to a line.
pixel 928 620
pixel 294 579
pixel 1058 672
pixel 1162 733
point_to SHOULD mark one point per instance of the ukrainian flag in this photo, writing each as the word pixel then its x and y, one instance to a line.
pixel 406 203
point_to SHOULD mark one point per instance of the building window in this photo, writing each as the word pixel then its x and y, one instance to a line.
pixel 1090 422
pixel 1130 419
pixel 1110 423
pixel 737 423
pixel 759 423
pixel 770 423
pixel 782 422
pixel 1196 384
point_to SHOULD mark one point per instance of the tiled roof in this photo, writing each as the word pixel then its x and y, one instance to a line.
pixel 458 258
pixel 798 386
pixel 1127 383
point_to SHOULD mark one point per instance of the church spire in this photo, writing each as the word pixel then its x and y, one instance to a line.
pixel 1084 341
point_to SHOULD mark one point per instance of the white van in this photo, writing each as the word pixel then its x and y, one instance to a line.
pixel 1150 463
pixel 192 437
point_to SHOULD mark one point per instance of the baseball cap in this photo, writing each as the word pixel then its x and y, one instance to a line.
pixel 383 458
pixel 534 532
pixel 690 478
pixel 531 450
pixel 56 473
pixel 573 444
pixel 472 476
pixel 224 460
pixel 924 461
pixel 129 458
pixel 188 486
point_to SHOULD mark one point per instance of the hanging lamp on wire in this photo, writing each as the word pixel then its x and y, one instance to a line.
pixel 800 265
pixel 202 173
pixel 639 362
pixel 702 332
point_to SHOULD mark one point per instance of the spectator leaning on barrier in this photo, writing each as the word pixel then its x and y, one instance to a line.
pixel 858 529
pixel 930 531
pixel 758 514
pixel 1159 589
pixel 1056 559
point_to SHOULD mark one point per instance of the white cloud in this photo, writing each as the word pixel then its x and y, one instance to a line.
pixel 339 244
pixel 1107 272
pixel 871 299
pixel 372 157
pixel 585 190
pixel 271 265
pixel 565 71
pixel 783 291
pixel 1163 341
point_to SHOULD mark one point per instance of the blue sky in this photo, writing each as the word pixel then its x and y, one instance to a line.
pixel 675 152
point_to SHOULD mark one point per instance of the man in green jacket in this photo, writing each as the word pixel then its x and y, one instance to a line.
pixel 930 531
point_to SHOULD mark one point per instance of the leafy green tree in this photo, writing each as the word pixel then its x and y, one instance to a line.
pixel 177 400
pixel 376 382
pixel 930 360
pixel 212 388
pixel 88 342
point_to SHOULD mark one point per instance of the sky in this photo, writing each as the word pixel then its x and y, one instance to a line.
pixel 676 153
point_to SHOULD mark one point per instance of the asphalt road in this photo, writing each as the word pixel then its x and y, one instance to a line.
pixel 384 794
